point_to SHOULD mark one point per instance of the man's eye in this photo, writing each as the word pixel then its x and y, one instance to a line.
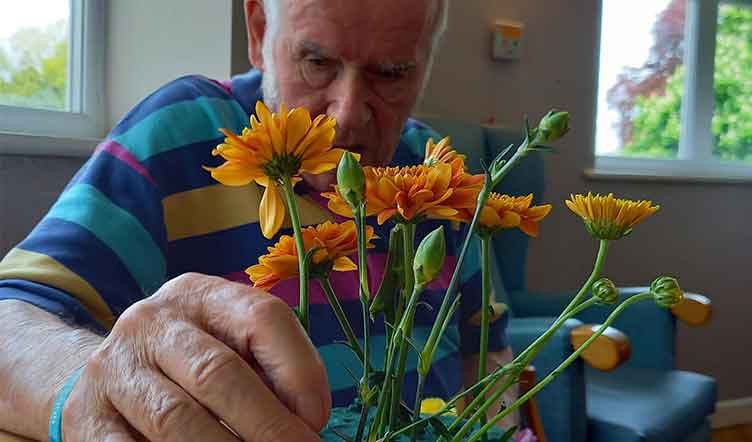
pixel 318 71
pixel 317 62
pixel 392 74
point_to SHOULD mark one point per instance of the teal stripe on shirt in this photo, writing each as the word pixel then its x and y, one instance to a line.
pixel 182 124
pixel 339 356
pixel 86 206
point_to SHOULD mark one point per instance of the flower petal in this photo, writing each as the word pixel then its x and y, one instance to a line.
pixel 271 212
pixel 344 264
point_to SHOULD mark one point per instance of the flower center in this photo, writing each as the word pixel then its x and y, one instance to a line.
pixel 279 166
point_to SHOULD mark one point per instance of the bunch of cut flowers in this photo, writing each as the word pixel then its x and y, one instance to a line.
pixel 279 147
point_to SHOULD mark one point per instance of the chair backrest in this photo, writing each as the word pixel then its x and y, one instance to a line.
pixel 479 142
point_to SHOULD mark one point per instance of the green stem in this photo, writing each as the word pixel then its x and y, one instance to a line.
pixel 485 241
pixel 437 329
pixel 520 362
pixel 365 298
pixel 491 378
pixel 303 309
pixel 406 322
pixel 342 318
pixel 558 370
pixel 584 291
pixel 418 400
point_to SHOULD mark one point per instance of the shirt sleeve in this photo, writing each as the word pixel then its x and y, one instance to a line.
pixel 103 244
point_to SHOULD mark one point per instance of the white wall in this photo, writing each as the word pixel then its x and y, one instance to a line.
pixel 153 42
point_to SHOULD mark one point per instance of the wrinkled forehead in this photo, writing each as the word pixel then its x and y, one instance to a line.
pixel 360 30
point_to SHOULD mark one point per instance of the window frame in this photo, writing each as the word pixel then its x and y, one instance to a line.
pixel 694 159
pixel 28 131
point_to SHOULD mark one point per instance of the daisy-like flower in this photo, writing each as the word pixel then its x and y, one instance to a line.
pixel 442 152
pixel 433 405
pixel 507 212
pixel 334 241
pixel 437 191
pixel 608 217
pixel 277 147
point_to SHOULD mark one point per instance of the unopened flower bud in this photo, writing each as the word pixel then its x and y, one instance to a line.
pixel 350 180
pixel 429 258
pixel 605 290
pixel 553 126
pixel 666 291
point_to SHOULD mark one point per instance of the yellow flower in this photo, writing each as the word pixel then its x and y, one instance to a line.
pixel 440 191
pixel 334 241
pixel 434 405
pixel 441 153
pixel 608 217
pixel 507 212
pixel 276 147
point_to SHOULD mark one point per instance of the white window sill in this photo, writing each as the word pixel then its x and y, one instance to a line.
pixel 668 171
pixel 12 143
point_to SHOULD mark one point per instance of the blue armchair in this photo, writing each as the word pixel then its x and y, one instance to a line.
pixel 645 399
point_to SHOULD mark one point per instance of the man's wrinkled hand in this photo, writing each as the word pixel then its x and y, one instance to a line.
pixel 200 357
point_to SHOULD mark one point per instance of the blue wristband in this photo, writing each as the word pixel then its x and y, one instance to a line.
pixel 56 418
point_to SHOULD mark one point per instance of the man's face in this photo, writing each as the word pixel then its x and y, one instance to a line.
pixel 361 62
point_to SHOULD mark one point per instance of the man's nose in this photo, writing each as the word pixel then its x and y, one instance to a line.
pixel 348 102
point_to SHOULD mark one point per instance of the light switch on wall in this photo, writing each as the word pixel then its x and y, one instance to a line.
pixel 507 38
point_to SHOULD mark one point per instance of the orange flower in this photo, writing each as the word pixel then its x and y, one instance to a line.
pixel 507 212
pixel 335 242
pixel 441 153
pixel 277 147
pixel 608 217
pixel 440 191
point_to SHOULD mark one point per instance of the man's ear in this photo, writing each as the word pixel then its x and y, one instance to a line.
pixel 255 19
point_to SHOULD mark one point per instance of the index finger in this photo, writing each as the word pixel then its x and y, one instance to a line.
pixel 264 331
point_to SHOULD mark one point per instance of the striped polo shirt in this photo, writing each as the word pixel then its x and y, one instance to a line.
pixel 142 211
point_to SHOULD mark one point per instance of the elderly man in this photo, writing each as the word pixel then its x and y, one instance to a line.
pixel 185 351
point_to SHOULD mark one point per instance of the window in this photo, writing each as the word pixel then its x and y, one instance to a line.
pixel 51 74
pixel 675 88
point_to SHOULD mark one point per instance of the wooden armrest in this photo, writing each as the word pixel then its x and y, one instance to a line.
pixel 530 409
pixel 694 309
pixel 607 352
pixel 498 309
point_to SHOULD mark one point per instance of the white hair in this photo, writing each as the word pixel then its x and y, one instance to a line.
pixel 269 87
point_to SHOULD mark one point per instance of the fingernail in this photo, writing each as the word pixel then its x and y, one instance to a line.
pixel 310 408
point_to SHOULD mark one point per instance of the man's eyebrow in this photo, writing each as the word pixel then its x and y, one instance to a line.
pixel 405 66
pixel 310 48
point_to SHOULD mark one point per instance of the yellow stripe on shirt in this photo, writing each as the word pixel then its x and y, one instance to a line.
pixel 39 268
pixel 215 208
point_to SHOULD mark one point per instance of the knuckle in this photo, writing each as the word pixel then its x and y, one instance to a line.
pixel 167 415
pixel 207 370
pixel 138 314
pixel 270 309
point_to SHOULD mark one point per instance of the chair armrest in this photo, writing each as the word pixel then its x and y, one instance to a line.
pixel 694 310
pixel 607 352
pixel 651 329
pixel 562 402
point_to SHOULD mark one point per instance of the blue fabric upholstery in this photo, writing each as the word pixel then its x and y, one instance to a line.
pixel 562 401
pixel 643 405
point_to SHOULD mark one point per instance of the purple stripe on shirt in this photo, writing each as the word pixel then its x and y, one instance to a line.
pixel 118 151
pixel 345 284
pixel 224 84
